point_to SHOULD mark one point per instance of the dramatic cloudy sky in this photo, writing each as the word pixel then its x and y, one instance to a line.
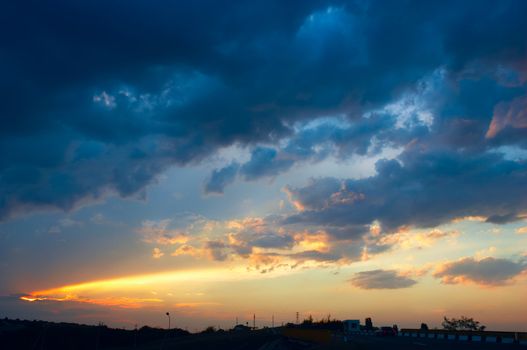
pixel 219 159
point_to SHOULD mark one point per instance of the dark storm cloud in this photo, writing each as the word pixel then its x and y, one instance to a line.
pixel 316 195
pixel 503 219
pixel 272 241
pixel 221 177
pixel 264 162
pixel 347 231
pixel 381 279
pixel 487 271
pixel 116 75
pixel 315 143
pixel 420 189
pixel 102 97
pixel 262 234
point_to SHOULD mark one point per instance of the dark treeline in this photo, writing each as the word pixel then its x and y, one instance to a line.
pixel 324 323
pixel 23 334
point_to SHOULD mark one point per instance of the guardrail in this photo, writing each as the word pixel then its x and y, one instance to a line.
pixel 325 336
pixel 468 336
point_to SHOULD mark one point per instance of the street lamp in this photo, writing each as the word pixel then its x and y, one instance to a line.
pixel 168 314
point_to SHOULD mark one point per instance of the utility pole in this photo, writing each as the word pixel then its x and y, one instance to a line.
pixel 297 318
pixel 254 321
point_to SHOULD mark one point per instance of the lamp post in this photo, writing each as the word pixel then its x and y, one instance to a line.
pixel 168 315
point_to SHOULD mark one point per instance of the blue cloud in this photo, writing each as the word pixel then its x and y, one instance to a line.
pixel 221 177
pixel 264 162
pixel 121 92
pixel 420 189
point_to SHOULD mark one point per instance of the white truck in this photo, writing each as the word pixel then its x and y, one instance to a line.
pixel 351 326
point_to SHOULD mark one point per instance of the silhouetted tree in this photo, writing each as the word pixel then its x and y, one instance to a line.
pixel 462 324
pixel 368 323
pixel 308 320
pixel 209 329
pixel 424 327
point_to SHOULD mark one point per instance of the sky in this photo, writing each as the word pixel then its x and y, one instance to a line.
pixel 219 160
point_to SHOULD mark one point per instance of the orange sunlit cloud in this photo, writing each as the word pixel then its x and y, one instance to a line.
pixel 296 203
pixel 318 241
pixel 407 239
pixel 186 249
pixel 470 218
pixel 254 223
pixel 508 114
pixel 158 232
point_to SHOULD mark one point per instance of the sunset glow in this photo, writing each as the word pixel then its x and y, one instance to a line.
pixel 206 163
pixel 120 291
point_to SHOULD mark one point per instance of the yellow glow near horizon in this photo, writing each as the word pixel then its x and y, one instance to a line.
pixel 132 291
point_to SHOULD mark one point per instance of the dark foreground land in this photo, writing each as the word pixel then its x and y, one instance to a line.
pixel 15 334
pixel 262 340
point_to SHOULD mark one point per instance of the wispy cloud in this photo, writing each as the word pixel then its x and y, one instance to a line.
pixel 381 279
pixel 158 232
